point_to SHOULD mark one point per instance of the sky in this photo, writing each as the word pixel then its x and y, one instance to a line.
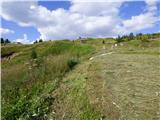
pixel 27 21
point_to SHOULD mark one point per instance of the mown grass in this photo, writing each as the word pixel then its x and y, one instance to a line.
pixel 27 82
pixel 138 47
pixel 131 82
pixel 71 98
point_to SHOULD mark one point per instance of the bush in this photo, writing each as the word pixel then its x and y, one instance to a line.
pixel 144 39
pixel 72 62
pixel 119 39
pixel 40 40
pixel 33 54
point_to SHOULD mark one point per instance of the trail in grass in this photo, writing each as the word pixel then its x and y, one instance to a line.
pixel 71 100
pixel 110 87
pixel 103 54
pixel 130 83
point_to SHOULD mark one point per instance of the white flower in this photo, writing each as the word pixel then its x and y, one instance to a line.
pixel 34 114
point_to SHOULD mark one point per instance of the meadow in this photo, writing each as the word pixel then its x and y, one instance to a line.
pixel 33 73
pixel 59 80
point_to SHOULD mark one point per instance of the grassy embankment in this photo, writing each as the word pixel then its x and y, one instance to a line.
pixel 27 82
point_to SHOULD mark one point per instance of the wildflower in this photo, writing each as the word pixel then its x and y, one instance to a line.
pixel 26 63
pixel 34 65
pixel 53 112
pixel 30 68
pixel 34 114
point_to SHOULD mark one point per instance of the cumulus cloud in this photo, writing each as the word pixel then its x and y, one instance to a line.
pixel 151 5
pixel 5 31
pixel 96 8
pixel 86 19
pixel 142 21
pixel 23 40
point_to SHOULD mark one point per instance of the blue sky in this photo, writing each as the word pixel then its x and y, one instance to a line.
pixel 53 5
pixel 68 19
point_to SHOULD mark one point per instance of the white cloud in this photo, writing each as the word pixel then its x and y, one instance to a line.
pixel 96 8
pixel 151 5
pixel 140 22
pixel 86 19
pixel 23 40
pixel 5 31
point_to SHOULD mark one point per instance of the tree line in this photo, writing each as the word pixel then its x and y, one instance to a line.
pixel 139 36
pixel 123 38
pixel 5 41
pixel 38 41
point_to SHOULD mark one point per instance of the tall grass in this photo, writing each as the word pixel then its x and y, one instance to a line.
pixel 26 87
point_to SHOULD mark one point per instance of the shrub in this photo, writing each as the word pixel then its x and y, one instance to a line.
pixel 144 39
pixel 72 62
pixel 40 40
pixel 35 42
pixel 33 54
pixel 119 39
pixel 7 41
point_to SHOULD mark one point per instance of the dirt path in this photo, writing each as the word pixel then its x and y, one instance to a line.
pixel 110 87
pixel 100 55
pixel 11 56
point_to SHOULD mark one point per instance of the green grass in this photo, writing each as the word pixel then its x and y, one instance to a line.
pixel 62 83
pixel 131 81
pixel 71 99
pixel 122 85
pixel 27 82
pixel 12 48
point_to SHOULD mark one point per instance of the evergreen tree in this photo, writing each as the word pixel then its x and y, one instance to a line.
pixel 40 40
pixel 139 36
pixel 35 42
pixel 2 40
pixel 119 39
pixel 7 41
pixel 131 36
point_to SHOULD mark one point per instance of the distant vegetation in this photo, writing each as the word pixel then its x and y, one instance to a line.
pixel 123 38
pixel 38 41
pixel 140 36
pixel 5 41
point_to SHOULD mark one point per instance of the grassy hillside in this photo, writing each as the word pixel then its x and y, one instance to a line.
pixel 121 85
pixel 27 82
pixel 82 81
